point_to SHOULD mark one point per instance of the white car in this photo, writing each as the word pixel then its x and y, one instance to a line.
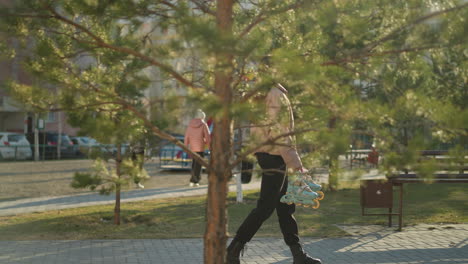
pixel 14 146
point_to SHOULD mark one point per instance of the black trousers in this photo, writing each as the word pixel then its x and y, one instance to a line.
pixel 246 171
pixel 274 185
pixel 196 169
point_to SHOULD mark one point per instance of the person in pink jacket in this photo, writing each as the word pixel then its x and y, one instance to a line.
pixel 274 159
pixel 197 136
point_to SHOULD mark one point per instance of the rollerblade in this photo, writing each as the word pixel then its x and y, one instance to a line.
pixel 303 192
pixel 313 186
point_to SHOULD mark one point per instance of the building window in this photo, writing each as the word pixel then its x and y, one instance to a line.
pixel 50 117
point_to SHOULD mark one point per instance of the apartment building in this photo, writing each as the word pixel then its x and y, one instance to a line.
pixel 13 115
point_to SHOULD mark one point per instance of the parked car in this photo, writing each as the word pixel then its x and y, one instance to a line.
pixel 124 149
pixel 48 142
pixel 172 157
pixel 83 141
pixel 14 146
pixel 87 146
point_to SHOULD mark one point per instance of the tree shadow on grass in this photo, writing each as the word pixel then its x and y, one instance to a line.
pixel 162 221
pixel 92 197
pixel 168 218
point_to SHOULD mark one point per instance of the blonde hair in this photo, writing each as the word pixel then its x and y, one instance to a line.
pixel 200 114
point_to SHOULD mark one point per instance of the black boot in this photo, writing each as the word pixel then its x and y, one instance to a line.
pixel 233 252
pixel 300 257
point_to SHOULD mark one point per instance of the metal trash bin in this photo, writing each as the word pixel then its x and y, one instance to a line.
pixel 377 194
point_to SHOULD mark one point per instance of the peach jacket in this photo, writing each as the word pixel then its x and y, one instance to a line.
pixel 279 120
pixel 197 135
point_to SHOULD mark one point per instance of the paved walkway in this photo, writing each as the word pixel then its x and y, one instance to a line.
pixel 442 244
pixel 41 204
pixel 421 244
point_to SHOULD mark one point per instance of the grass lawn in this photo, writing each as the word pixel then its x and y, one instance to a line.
pixel 185 217
pixel 31 179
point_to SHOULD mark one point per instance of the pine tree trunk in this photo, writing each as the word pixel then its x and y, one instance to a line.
pixel 118 162
pixel 216 214
pixel 333 174
pixel 333 166
pixel 117 205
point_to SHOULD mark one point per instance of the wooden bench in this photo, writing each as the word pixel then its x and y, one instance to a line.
pixel 449 170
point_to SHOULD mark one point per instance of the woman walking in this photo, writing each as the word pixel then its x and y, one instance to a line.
pixel 274 160
pixel 197 136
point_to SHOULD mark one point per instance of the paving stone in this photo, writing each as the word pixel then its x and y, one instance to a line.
pixel 421 244
pixel 368 247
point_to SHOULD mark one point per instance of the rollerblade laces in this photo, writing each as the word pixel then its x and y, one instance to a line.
pixel 303 192
pixel 312 185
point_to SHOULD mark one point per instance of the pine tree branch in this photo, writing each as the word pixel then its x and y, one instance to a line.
pixel 164 135
pixel 367 51
pixel 203 7
pixel 169 4
pixel 75 108
pixel 420 20
pixel 126 105
pixel 238 77
pixel 101 43
pixel 250 94
pixel 356 58
pixel 257 20
pixel 346 67
pixel 87 84
pixel 268 142
pixel 263 15
pixel 27 15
